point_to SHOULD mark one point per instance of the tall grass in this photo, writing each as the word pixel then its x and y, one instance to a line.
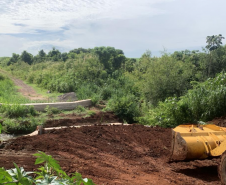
pixel 11 100
pixel 8 92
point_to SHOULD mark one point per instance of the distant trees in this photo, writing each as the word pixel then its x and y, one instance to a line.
pixel 64 56
pixel 26 57
pixel 41 53
pixel 15 57
pixel 111 58
pixel 55 54
pixel 213 43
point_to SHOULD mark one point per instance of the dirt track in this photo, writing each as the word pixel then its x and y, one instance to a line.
pixel 26 90
pixel 112 155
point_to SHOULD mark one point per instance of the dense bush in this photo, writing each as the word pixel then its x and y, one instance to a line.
pixel 204 102
pixel 125 107
pixel 21 125
pixel 17 110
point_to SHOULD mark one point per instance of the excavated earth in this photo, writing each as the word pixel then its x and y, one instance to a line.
pixel 112 155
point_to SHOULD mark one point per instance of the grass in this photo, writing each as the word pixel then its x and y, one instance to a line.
pixel 8 92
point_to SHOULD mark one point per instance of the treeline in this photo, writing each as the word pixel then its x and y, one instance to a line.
pixel 133 88
pixel 110 57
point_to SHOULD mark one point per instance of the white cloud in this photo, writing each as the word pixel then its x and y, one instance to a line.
pixel 54 14
pixel 10 44
pixel 130 25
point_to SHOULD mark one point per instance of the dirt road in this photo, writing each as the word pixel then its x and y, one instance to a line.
pixel 112 155
pixel 26 90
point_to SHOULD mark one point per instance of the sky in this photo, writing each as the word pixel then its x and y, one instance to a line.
pixel 131 25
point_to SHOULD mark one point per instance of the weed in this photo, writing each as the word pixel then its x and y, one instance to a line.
pixel 80 109
pixel 52 110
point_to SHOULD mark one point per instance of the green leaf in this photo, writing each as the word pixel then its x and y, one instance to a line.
pixel 42 157
pixel 25 181
pixel 19 174
pixel 5 176
pixel 0 128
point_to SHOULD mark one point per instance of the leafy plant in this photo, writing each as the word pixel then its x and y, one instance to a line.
pixel 52 110
pixel 51 173
pixel 80 109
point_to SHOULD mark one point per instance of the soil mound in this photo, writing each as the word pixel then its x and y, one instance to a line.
pixel 112 155
pixel 73 119
pixel 220 121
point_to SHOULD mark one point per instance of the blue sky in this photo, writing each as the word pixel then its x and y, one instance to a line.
pixel 131 25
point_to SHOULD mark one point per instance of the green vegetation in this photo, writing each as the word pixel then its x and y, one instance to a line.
pixel 167 90
pixel 204 102
pixel 8 92
pixel 50 173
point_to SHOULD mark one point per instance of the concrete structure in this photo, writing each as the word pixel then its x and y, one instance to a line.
pixel 60 105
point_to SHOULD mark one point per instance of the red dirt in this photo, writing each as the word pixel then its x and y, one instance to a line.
pixel 112 155
pixel 74 119
pixel 221 121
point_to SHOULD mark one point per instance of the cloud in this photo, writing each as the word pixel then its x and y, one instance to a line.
pixel 10 44
pixel 54 14
pixel 131 25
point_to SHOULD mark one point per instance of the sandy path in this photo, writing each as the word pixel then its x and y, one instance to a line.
pixel 26 90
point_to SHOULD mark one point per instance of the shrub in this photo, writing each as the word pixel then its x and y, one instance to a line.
pixel 204 102
pixel 2 77
pixel 21 125
pixel 80 109
pixel 95 99
pixel 126 107
pixel 16 110
pixel 52 110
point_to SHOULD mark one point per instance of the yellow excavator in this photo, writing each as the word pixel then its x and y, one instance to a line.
pixel 191 142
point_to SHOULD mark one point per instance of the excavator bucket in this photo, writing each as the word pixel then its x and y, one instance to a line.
pixel 197 142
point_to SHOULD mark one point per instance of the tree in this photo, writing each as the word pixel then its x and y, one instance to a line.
pixel 15 57
pixel 64 56
pixel 26 57
pixel 41 53
pixel 213 43
pixel 111 58
pixel 55 54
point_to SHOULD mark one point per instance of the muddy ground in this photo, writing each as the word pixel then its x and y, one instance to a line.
pixel 112 155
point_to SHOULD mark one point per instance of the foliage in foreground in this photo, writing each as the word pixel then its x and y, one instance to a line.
pixel 204 102
pixel 51 173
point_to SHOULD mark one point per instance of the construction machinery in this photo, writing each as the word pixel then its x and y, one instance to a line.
pixel 191 142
